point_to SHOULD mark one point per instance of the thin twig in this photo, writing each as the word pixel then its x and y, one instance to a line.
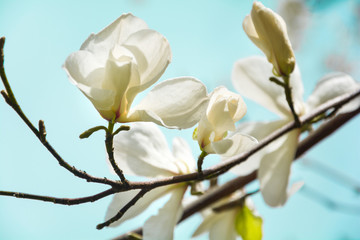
pixel 123 210
pixel 110 150
pixel 62 201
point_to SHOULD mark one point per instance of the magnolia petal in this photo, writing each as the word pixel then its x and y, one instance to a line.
pixel 331 86
pixel 121 199
pixel 183 156
pixel 224 109
pixel 161 226
pixel 174 103
pixel 249 28
pixel 224 228
pixel 258 130
pixel 207 223
pixel 102 99
pixel 118 76
pixel 219 225
pixel 83 67
pixel 234 144
pixel 143 151
pixel 274 169
pixel 153 54
pixel 250 77
pixel 114 34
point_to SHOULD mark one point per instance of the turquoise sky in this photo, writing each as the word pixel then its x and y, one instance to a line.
pixel 206 39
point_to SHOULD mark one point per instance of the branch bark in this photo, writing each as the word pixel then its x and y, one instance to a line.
pixel 62 201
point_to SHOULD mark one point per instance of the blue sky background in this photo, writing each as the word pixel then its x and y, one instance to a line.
pixel 206 39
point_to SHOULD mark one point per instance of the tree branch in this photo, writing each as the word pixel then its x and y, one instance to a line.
pixel 62 201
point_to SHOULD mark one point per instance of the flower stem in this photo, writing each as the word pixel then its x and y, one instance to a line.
pixel 201 160
pixel 289 99
pixel 110 150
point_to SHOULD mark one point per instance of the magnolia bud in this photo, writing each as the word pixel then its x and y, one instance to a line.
pixel 268 32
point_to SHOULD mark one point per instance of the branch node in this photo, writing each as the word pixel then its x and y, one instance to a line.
pixel 2 43
pixel 42 131
pixel 6 97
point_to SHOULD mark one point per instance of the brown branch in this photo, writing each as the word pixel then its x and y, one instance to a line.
pixel 62 201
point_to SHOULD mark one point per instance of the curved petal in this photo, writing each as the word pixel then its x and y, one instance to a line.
pixel 153 54
pixel 259 130
pixel 116 33
pixel 118 76
pixel 174 103
pixel 143 151
pixel 83 67
pixel 161 226
pixel 224 109
pixel 250 77
pixel 331 86
pixel 183 155
pixel 224 228
pixel 121 199
pixel 207 224
pixel 249 29
pixel 274 169
pixel 219 226
pixel 234 144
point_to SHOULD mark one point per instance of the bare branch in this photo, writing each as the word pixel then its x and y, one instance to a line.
pixel 123 210
pixel 62 201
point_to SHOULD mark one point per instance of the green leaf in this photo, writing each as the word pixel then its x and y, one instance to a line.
pixel 248 225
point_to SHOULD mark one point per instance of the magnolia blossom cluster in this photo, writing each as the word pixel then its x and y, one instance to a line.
pixel 113 66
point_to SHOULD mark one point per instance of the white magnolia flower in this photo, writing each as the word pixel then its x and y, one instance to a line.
pixel 267 30
pixel 224 110
pixel 124 59
pixel 251 78
pixel 143 151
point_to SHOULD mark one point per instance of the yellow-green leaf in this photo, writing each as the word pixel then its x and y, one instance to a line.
pixel 248 225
